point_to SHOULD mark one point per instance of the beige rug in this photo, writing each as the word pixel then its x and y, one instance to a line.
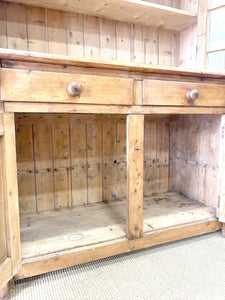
pixel 189 269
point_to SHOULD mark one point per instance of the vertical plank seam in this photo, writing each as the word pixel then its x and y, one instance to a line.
pixel 100 36
pixel 26 19
pixel 66 37
pixel 53 166
pixel 70 171
pixel 99 32
pixel 116 186
pixel 131 42
pixel 6 31
pixel 116 46
pixel 34 164
pixel 102 167
pixel 83 42
pixel 158 45
pixel 198 159
pixel 145 43
pixel 87 166
pixel 3 194
pixel 171 47
pixel 157 183
pixel 115 40
pixel 46 26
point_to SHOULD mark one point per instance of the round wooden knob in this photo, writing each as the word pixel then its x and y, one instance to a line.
pixel 192 95
pixel 74 89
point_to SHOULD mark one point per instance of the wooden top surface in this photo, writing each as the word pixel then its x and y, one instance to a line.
pixel 134 11
pixel 27 56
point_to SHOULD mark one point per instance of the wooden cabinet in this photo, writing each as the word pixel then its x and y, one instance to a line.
pixel 98 157
pixel 105 174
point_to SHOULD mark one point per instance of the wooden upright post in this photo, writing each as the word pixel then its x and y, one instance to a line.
pixel 135 163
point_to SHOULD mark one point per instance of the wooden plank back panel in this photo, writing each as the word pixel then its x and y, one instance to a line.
pixel 121 148
pixel 72 160
pixel 94 161
pixel 109 161
pixel 25 165
pixel 61 162
pixel 78 149
pixel 22 85
pixel 43 155
pixel 16 26
pixel 150 164
pixel 58 32
pixel 3 25
pixel 36 29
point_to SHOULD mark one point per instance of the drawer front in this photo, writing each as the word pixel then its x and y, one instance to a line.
pixel 160 92
pixel 38 86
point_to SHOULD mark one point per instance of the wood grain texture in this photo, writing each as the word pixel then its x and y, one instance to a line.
pixel 16 26
pixel 29 107
pixel 138 92
pixel 87 227
pixel 195 142
pixel 94 161
pixel 5 273
pixel 152 45
pixel 221 206
pixel 51 87
pixel 43 162
pixel 174 93
pixel 11 192
pixel 138 45
pixel 130 11
pixel 56 32
pixel 162 157
pixel 62 170
pixel 75 34
pixel 41 58
pixel 150 152
pixel 91 37
pixel 70 33
pixel 123 41
pixel 3 41
pixel 165 47
pixel 25 165
pixel 3 248
pixel 108 39
pixel 159 237
pixel 78 142
pixel 135 166
pixel 36 29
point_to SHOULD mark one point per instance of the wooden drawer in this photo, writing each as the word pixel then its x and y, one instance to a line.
pixel 160 92
pixel 25 85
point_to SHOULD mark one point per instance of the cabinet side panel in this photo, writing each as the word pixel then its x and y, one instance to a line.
pixel 3 249
pixel 195 168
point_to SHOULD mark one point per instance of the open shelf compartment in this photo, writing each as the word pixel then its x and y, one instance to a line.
pixel 132 11
pixel 72 178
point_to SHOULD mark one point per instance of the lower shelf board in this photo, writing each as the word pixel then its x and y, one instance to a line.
pixel 49 234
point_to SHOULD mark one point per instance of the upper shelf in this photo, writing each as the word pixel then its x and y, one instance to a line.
pixel 134 11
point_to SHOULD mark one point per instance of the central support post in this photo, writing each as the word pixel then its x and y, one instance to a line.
pixel 135 165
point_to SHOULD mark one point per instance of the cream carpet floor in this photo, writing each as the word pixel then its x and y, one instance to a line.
pixel 188 269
